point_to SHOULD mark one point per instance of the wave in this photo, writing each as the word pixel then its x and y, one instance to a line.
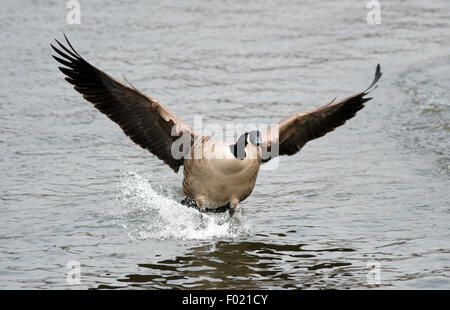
pixel 150 211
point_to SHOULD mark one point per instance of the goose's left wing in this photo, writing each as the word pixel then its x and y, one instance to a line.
pixel 292 133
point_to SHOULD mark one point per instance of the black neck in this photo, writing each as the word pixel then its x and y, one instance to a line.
pixel 238 149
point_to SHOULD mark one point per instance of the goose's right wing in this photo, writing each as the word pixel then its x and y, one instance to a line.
pixel 146 121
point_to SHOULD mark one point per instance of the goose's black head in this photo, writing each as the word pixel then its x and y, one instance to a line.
pixel 252 137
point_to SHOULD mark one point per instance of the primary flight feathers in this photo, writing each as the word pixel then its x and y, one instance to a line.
pixel 146 121
pixel 296 130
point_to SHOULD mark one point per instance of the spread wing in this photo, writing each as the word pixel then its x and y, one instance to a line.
pixel 295 131
pixel 146 121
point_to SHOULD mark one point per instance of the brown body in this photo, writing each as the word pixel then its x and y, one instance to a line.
pixel 228 179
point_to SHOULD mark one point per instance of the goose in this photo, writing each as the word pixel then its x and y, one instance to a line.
pixel 224 174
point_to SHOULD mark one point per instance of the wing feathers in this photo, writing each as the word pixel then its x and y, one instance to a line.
pixel 147 122
pixel 296 130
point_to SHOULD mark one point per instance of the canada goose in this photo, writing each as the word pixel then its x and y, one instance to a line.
pixel 226 173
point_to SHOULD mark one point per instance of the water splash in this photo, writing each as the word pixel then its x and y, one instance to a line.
pixel 147 211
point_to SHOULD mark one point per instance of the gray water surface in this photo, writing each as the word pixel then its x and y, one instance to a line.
pixel 74 187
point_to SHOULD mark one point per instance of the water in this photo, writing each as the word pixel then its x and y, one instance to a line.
pixel 74 187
